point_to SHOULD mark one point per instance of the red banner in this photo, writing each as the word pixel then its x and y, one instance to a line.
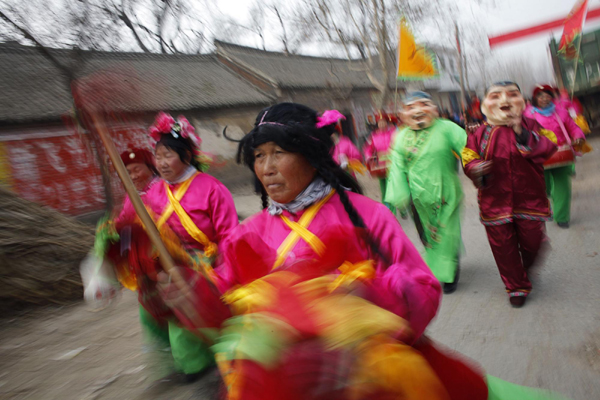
pixel 573 27
pixel 522 33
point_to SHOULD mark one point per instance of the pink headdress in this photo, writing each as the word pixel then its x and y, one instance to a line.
pixel 166 124
pixel 329 117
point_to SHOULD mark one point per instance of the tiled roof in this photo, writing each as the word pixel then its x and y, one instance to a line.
pixel 32 88
pixel 298 71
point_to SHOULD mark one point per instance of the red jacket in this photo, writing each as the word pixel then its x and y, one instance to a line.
pixel 515 188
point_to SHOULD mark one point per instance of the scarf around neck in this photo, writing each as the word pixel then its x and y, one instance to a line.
pixel 187 174
pixel 546 112
pixel 314 192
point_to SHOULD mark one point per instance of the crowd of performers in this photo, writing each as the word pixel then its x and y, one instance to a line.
pixel 321 295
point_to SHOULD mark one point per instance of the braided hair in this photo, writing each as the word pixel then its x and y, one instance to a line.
pixel 293 128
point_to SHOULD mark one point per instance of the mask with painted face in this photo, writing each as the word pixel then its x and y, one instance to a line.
pixel 503 104
pixel 419 111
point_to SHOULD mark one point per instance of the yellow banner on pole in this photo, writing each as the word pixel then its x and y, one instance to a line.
pixel 414 62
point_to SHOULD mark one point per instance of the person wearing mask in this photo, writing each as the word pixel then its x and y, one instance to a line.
pixel 504 160
pixel 424 171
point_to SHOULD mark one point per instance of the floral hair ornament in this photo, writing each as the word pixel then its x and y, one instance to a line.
pixel 181 127
pixel 166 124
pixel 329 117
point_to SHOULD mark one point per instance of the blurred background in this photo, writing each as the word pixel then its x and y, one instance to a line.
pixel 219 63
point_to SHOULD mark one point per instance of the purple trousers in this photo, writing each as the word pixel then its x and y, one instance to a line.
pixel 516 246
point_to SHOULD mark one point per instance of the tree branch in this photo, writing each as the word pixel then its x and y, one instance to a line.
pixel 43 49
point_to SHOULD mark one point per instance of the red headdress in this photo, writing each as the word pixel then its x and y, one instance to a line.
pixel 141 156
pixel 552 91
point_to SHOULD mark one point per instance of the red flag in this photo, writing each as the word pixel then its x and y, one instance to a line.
pixel 572 31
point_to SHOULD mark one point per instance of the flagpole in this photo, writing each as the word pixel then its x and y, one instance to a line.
pixel 576 65
pixel 398 65
pixel 460 68
pixel 578 53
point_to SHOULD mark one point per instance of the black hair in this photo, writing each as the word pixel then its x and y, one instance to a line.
pixel 184 147
pixel 293 127
pixel 503 84
pixel 549 91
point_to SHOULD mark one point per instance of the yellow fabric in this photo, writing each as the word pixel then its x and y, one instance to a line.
pixel 414 62
pixel 357 166
pixel 124 275
pixel 549 134
pixel 309 237
pixel 299 230
pixel 469 155
pixel 181 191
pixel 364 270
pixel 345 320
pixel 396 368
pixel 582 123
pixel 258 293
pixel 210 248
pixel 583 148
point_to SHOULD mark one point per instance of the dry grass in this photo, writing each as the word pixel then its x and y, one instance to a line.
pixel 40 252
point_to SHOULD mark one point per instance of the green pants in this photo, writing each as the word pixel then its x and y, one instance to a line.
pixel 190 353
pixel 443 243
pixel 383 187
pixel 558 189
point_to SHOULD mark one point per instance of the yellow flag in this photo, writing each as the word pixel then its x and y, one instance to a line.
pixel 414 61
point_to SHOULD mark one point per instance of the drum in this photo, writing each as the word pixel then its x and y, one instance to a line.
pixel 563 157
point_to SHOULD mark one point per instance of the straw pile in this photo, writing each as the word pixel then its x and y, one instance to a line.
pixel 40 252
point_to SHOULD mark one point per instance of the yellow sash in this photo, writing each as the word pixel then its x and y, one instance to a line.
pixel 300 231
pixel 210 248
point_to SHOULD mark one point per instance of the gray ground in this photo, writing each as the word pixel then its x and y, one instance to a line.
pixel 553 342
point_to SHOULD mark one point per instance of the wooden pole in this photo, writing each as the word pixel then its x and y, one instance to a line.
pixel 577 54
pixel 396 98
pixel 165 258
pixel 556 63
pixel 460 68
pixel 576 65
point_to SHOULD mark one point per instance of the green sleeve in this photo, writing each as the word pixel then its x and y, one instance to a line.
pixel 105 235
pixel 457 136
pixel 397 191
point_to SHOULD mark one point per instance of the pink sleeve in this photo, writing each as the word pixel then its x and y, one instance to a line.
pixel 223 214
pixel 369 148
pixel 572 128
pixel 127 214
pixel 354 154
pixel 407 286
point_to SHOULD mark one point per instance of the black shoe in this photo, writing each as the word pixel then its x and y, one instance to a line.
pixel 517 301
pixel 564 225
pixel 450 287
pixel 191 378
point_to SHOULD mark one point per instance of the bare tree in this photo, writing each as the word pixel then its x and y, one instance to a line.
pixel 362 28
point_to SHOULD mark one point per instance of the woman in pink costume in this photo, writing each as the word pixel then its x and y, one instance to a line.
pixel 377 151
pixel 345 152
pixel 329 298
pixel 565 132
pixel 194 212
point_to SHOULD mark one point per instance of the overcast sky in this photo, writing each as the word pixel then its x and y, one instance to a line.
pixel 505 16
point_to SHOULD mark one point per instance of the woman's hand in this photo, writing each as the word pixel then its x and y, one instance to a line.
pixel 173 295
